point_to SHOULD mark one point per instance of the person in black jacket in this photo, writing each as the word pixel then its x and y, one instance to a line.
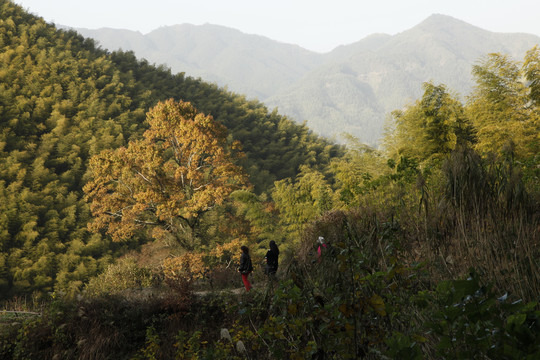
pixel 272 259
pixel 246 267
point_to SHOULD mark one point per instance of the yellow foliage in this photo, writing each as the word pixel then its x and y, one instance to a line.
pixel 187 266
pixel 194 265
pixel 228 248
pixel 431 127
pixel 183 167
pixel 377 303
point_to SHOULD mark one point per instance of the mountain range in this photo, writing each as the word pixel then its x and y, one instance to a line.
pixel 351 89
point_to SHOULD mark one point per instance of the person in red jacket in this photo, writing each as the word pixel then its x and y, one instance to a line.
pixel 246 267
pixel 321 248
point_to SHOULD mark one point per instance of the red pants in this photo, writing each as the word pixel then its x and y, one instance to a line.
pixel 247 284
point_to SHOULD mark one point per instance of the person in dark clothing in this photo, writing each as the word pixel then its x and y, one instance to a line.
pixel 272 259
pixel 246 267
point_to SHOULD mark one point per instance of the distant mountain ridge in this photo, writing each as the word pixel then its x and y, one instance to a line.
pixel 350 89
pixel 248 64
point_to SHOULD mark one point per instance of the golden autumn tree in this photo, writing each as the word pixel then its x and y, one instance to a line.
pixel 183 167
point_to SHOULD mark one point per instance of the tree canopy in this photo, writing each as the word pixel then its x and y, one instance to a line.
pixel 180 169
pixel 432 126
pixel 504 105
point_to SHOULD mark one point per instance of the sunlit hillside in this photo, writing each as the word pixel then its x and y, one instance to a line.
pixel 147 215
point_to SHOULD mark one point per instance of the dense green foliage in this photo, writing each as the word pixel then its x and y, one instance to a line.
pixel 360 301
pixel 433 126
pixel 62 100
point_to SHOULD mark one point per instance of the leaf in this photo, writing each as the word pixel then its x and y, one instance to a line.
pixel 292 309
pixel 419 338
pixel 516 320
pixel 377 304
pixel 346 310
pixel 444 343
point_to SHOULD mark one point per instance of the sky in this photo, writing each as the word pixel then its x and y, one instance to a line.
pixel 315 25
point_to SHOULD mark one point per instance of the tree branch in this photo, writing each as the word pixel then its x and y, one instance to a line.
pixel 144 177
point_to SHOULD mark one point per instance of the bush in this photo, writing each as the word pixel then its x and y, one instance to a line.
pixel 470 322
pixel 123 275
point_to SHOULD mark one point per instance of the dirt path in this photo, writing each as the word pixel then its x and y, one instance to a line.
pixel 236 291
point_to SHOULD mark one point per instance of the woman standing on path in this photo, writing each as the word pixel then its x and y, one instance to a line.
pixel 272 259
pixel 245 267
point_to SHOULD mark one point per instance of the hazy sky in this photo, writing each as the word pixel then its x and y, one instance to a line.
pixel 312 24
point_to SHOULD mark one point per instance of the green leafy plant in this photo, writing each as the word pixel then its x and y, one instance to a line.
pixel 469 321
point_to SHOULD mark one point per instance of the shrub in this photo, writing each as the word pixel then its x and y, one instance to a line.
pixel 470 322
pixel 123 275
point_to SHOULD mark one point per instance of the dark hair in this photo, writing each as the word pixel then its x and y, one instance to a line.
pixel 244 249
pixel 274 247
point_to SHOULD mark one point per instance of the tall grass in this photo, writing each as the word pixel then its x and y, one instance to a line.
pixel 482 217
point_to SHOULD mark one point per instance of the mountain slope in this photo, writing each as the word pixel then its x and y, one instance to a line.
pixel 351 89
pixel 250 64
pixel 63 101
pixel 440 49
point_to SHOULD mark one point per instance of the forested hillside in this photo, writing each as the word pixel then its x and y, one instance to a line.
pixel 428 250
pixel 125 207
pixel 389 71
pixel 63 101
